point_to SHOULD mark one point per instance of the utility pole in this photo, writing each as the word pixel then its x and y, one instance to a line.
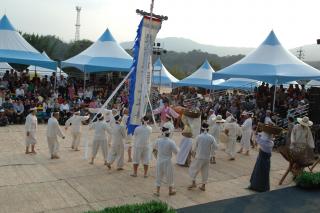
pixel 77 34
pixel 300 53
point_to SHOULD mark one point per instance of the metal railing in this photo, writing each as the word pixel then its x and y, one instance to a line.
pixel 297 112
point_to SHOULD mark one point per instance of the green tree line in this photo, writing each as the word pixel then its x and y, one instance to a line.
pixel 179 64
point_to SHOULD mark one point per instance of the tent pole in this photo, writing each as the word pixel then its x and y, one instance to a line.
pixel 274 95
pixel 84 81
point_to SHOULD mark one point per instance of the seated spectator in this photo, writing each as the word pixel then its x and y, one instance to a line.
pixel 9 110
pixel 65 107
pixel 19 110
pixel 20 92
pixel 3 118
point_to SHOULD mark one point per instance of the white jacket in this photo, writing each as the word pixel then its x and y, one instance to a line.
pixel 118 134
pixel 142 136
pixel 165 147
pixel 31 123
pixel 100 128
pixel 204 145
pixel 75 122
pixel 53 128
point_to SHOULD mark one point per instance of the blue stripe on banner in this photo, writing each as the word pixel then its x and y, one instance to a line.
pixel 132 80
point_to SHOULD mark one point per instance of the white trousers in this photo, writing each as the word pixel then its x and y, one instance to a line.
pixel 116 154
pixel 31 139
pixel 199 165
pixel 53 145
pixel 76 139
pixel 164 170
pixel 245 140
pixel 231 147
pixel 141 154
pixel 104 148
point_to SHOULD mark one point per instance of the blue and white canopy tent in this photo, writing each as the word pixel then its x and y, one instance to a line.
pixel 271 63
pixel 15 49
pixel 161 76
pixel 200 78
pixel 102 56
pixel 42 71
pixel 237 83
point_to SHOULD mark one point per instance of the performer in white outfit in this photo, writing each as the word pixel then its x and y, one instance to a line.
pixel 246 133
pixel 53 131
pixel 215 129
pixel 128 139
pixel 229 116
pixel 118 134
pixel 232 130
pixel 75 122
pixel 301 133
pixel 100 138
pixel 185 148
pixel 204 145
pixel 212 117
pixel 165 148
pixel 31 128
pixel 141 147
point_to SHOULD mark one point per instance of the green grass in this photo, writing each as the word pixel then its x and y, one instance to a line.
pixel 308 180
pixel 149 207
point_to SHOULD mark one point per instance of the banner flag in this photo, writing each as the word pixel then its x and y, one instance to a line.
pixel 140 79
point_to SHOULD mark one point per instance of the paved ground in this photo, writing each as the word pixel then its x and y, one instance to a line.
pixel 34 183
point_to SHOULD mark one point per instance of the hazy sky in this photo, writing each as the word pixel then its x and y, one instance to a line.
pixel 242 23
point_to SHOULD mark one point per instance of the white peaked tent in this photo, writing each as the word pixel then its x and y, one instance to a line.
pixel 161 76
pixel 4 66
pixel 103 55
pixel 14 49
pixel 200 78
pixel 271 63
pixel 313 83
pixel 42 71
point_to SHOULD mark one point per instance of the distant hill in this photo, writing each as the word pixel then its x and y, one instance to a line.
pixel 186 45
pixel 311 52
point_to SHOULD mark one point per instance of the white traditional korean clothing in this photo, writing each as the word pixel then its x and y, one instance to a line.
pixel 53 131
pixel 165 147
pixel 215 130
pixel 185 148
pixel 75 122
pixel 246 134
pixel 141 145
pixel 31 127
pixel 100 139
pixel 233 132
pixel 118 134
pixel 301 134
pixel 203 147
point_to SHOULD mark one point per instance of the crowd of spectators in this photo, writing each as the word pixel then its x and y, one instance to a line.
pixel 19 92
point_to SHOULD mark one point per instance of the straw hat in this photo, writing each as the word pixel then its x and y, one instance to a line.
pixel 33 109
pixel 219 119
pixel 305 121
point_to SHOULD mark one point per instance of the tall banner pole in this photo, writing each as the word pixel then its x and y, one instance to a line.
pixel 140 80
